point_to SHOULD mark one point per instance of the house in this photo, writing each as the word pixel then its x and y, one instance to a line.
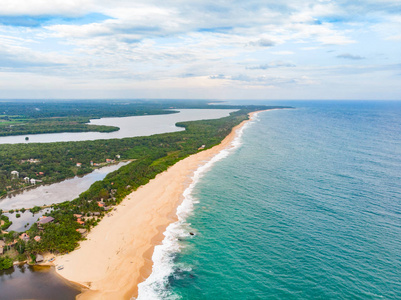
pixel 77 216
pixel 2 245
pixel 118 156
pixel 26 179
pixel 39 258
pixel 45 220
pixel 41 173
pixel 100 204
pixel 202 147
pixel 91 163
pixel 80 222
pixel 79 165
pixel 37 238
pixel 24 237
pixel 108 160
pixel 33 181
pixel 14 174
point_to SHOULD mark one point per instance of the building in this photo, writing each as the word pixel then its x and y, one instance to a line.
pixel 24 237
pixel 39 258
pixel 79 165
pixel 45 220
pixel 14 174
pixel 2 245
pixel 33 181
pixel 37 238
pixel 26 179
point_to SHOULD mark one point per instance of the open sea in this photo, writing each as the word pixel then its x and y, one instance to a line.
pixel 306 205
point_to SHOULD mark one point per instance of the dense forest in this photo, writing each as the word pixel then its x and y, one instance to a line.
pixel 56 161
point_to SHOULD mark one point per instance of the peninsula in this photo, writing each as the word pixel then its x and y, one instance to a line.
pixel 117 254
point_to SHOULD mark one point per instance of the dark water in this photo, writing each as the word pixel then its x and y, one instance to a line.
pixel 26 282
pixel 308 207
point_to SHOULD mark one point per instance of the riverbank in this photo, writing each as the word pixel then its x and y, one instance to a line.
pixel 117 254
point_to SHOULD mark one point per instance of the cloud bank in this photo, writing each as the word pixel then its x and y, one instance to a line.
pixel 200 49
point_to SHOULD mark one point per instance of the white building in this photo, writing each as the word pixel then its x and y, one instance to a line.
pixel 14 174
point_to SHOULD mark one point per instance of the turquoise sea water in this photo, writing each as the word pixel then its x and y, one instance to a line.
pixel 306 206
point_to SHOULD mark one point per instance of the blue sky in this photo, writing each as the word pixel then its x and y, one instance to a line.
pixel 200 49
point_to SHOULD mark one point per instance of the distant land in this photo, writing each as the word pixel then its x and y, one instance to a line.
pixel 54 162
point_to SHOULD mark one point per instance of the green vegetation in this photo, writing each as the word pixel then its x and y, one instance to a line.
pixel 20 118
pixel 5 222
pixel 5 262
pixel 56 161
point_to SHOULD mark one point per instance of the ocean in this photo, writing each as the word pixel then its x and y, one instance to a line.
pixel 306 205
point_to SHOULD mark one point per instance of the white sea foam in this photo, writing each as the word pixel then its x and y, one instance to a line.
pixel 156 286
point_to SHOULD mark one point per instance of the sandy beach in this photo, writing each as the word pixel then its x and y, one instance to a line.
pixel 117 254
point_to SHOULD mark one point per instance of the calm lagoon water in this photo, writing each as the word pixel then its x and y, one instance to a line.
pixel 41 283
pixel 129 127
pixel 66 190
pixel 308 206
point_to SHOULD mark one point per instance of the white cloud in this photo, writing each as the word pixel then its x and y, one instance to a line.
pixel 282 52
pixel 197 44
pixel 45 7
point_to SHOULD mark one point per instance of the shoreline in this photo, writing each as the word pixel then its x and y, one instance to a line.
pixel 117 254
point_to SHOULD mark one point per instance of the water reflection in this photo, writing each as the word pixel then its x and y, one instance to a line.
pixel 129 127
pixel 66 190
pixel 35 282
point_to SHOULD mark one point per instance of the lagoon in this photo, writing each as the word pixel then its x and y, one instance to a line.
pixel 129 127
pixel 66 190
pixel 35 282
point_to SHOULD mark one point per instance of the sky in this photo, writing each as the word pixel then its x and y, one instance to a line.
pixel 200 49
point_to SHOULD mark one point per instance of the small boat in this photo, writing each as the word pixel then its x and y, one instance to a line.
pixel 51 259
pixel 60 267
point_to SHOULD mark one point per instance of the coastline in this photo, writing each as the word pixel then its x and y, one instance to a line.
pixel 117 254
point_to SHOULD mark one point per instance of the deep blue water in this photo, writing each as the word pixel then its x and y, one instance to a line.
pixel 307 207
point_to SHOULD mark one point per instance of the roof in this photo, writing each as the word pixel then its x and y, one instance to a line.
pixel 24 235
pixel 45 220
pixel 39 258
